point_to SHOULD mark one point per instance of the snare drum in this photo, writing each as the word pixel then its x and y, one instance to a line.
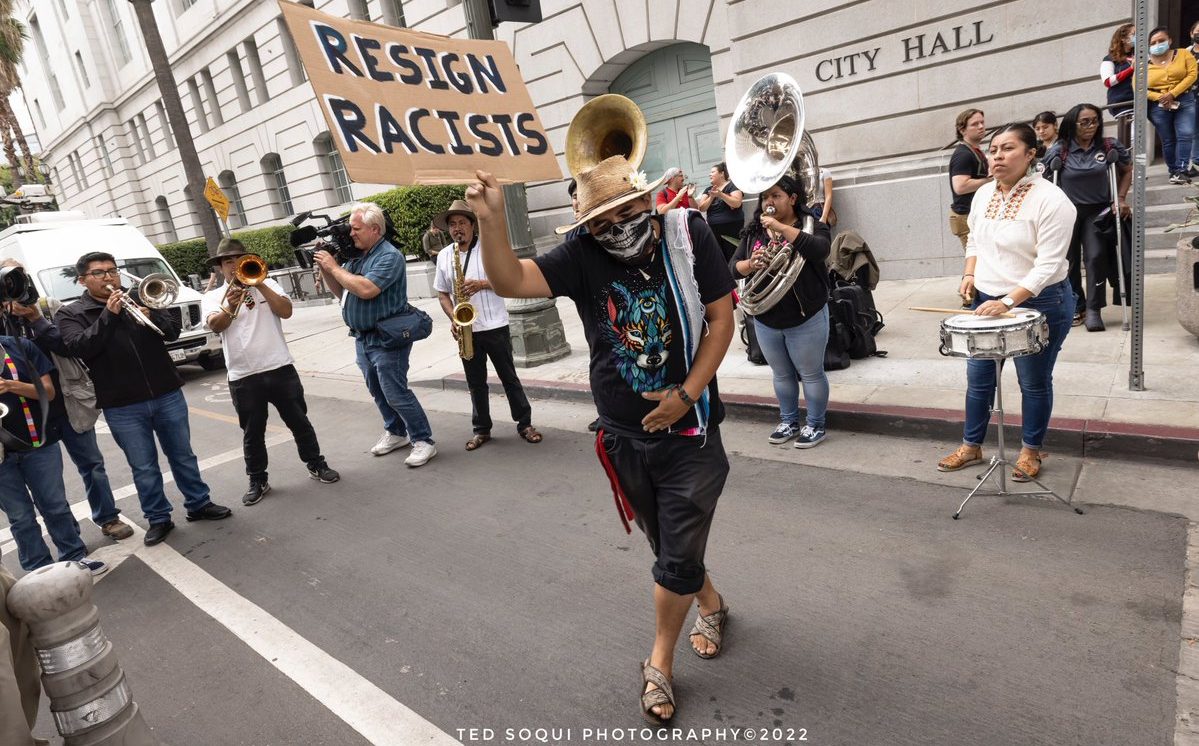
pixel 994 337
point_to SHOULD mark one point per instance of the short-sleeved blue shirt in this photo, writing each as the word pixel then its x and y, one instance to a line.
pixel 385 266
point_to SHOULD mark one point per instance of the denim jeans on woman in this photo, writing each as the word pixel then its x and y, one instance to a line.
pixel 134 428
pixel 30 479
pixel 795 354
pixel 1035 372
pixel 1176 130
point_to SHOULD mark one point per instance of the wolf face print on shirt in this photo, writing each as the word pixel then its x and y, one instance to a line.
pixel 639 332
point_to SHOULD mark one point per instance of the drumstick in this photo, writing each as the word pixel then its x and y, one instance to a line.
pixel 954 311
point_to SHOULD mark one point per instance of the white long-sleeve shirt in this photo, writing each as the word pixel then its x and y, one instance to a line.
pixel 1020 240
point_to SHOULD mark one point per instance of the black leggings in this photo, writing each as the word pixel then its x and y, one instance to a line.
pixel 1090 248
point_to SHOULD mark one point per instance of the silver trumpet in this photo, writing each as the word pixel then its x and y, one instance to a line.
pixel 156 290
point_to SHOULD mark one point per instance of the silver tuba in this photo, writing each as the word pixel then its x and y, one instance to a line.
pixel 766 141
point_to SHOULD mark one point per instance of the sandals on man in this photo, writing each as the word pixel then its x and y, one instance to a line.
pixel 477 442
pixel 530 434
pixel 663 695
pixel 711 628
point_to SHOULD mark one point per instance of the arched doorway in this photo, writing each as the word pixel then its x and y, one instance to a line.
pixel 674 88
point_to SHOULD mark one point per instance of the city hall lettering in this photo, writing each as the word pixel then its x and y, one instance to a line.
pixel 915 47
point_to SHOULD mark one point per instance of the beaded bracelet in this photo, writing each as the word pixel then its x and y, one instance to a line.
pixel 682 394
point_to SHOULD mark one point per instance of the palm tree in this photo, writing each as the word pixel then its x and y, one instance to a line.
pixel 169 90
pixel 12 47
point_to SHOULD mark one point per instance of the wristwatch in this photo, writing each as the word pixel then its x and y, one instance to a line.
pixel 1007 301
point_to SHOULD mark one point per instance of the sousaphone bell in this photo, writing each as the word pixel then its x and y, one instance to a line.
pixel 607 125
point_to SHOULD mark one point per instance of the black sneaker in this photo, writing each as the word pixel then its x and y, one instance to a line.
pixel 784 432
pixel 157 532
pixel 323 474
pixel 210 512
pixel 809 437
pixel 255 493
pixel 594 426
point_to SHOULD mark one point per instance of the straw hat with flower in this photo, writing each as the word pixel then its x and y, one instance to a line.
pixel 608 184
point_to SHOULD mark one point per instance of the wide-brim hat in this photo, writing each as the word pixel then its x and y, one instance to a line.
pixel 228 247
pixel 608 184
pixel 457 207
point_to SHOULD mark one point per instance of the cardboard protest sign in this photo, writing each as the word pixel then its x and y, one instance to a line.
pixel 408 107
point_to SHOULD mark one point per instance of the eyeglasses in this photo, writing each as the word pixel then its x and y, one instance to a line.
pixel 100 274
pixel 1088 122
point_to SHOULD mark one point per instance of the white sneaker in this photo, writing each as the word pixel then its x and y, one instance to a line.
pixel 422 451
pixel 388 443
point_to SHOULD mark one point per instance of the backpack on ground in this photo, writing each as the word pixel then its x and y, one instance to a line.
pixel 753 351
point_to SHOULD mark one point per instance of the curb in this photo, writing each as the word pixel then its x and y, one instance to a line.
pixel 1068 436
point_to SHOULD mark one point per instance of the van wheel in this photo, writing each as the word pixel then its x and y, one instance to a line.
pixel 212 362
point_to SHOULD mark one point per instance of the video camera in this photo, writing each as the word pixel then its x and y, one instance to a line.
pixel 16 286
pixel 333 237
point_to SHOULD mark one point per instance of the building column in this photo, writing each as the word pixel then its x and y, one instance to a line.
pixel 536 327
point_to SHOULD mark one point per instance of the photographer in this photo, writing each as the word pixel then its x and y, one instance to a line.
pixel 25 319
pixel 138 389
pixel 373 288
pixel 260 368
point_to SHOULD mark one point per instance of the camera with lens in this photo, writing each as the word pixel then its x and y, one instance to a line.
pixel 17 286
pixel 333 236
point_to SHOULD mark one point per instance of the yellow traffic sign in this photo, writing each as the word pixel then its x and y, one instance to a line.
pixel 217 199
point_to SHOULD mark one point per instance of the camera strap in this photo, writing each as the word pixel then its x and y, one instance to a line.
pixel 10 441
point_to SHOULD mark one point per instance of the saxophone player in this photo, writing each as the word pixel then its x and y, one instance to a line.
pixel 482 333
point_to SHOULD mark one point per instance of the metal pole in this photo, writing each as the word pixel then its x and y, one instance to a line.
pixel 1140 160
pixel 536 328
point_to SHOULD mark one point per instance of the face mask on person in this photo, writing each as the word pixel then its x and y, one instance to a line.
pixel 1195 38
pixel 1160 48
pixel 630 242
pixel 1131 41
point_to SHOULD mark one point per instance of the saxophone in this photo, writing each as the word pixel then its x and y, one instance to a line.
pixel 464 311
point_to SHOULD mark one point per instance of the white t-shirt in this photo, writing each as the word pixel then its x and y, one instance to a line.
pixel 490 311
pixel 254 342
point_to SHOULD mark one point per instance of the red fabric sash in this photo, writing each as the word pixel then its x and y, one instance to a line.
pixel 623 508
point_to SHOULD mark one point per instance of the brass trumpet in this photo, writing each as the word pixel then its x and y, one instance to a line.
pixel 251 271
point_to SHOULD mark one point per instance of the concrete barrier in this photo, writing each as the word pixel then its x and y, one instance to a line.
pixel 1187 285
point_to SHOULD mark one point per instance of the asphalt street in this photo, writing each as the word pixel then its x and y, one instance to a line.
pixel 497 591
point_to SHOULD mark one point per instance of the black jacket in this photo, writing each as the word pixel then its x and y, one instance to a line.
pixel 809 294
pixel 129 362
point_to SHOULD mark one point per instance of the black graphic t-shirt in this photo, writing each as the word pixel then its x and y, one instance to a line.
pixel 632 323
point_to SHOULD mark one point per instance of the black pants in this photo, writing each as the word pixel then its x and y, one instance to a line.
pixel 1091 249
pixel 673 484
pixel 495 344
pixel 280 387
pixel 724 232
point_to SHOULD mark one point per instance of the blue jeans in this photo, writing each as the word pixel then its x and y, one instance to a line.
pixel 85 453
pixel 134 427
pixel 797 354
pixel 1035 372
pixel 30 479
pixel 1176 130
pixel 386 374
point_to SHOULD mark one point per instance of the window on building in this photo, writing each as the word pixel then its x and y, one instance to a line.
pixel 87 81
pixel 254 62
pixel 214 105
pixel 239 80
pixel 185 4
pixel 41 118
pixel 276 183
pixel 333 170
pixel 135 140
pixel 105 158
pixel 197 105
pixel 120 45
pixel 360 10
pixel 168 137
pixel 393 13
pixel 62 10
pixel 165 223
pixel 145 130
pixel 39 42
pixel 237 209
pixel 294 67
pixel 77 171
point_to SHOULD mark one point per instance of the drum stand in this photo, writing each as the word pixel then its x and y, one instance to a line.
pixel 999 462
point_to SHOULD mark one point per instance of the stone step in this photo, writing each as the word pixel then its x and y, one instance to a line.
pixel 1159 193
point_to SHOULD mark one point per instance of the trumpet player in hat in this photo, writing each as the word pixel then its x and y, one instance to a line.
pixel 655 299
pixel 479 323
pixel 248 312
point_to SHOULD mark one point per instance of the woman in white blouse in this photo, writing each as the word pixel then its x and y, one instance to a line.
pixel 1020 227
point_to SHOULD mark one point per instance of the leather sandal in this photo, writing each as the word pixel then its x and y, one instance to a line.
pixel 663 695
pixel 530 434
pixel 961 458
pixel 477 442
pixel 1027 467
pixel 711 628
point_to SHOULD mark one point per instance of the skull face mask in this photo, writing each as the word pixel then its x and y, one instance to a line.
pixel 631 242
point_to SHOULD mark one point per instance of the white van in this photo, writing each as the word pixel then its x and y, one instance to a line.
pixel 48 244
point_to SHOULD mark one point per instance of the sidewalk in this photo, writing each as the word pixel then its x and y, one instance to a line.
pixel 914 391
